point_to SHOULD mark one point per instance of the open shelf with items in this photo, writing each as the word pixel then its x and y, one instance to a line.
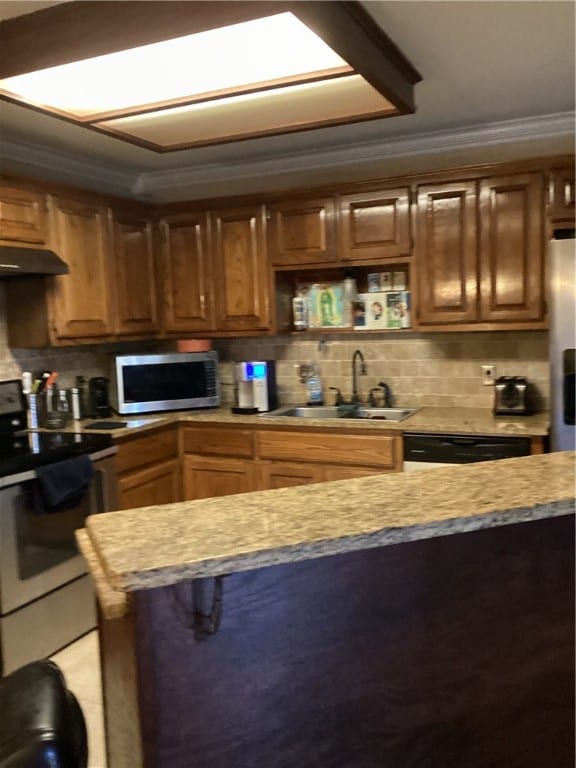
pixel 382 282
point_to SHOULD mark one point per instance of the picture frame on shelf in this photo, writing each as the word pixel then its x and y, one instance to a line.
pixel 327 306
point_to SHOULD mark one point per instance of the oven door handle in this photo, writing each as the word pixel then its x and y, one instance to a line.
pixel 103 497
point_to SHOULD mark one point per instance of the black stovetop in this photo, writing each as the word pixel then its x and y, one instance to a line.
pixel 25 451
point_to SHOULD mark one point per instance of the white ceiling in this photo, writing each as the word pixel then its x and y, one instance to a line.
pixel 498 79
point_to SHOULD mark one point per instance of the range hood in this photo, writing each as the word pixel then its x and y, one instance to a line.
pixel 17 262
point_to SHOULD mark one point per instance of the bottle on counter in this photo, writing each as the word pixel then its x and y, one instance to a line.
pixel 314 387
pixel 76 405
pixel 84 395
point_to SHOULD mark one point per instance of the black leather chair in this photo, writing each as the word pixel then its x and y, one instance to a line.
pixel 41 723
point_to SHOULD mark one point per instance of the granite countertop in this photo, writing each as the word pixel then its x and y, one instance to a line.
pixel 157 546
pixel 479 421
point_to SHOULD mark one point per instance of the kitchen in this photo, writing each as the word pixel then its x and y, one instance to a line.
pixel 421 368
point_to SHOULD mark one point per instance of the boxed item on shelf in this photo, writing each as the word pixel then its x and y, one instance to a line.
pixel 327 306
pixel 386 310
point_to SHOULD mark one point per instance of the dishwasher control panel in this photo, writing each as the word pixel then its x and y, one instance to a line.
pixel 462 449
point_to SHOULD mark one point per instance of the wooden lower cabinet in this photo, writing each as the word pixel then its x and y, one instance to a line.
pixel 149 470
pixel 218 460
pixel 284 474
pixel 350 473
pixel 151 486
pixel 207 476
pixel 327 448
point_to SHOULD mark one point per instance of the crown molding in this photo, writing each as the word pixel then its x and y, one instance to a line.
pixel 487 134
pixel 71 168
pixel 23 157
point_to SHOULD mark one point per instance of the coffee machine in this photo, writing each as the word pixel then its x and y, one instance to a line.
pixel 255 386
pixel 99 400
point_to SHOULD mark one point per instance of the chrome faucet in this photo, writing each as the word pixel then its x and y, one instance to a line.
pixel 357 356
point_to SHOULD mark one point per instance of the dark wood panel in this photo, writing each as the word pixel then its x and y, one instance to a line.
pixel 241 269
pixel 187 273
pixel 511 248
pixel 446 253
pixel 135 269
pixel 455 652
pixel 375 225
pixel 303 232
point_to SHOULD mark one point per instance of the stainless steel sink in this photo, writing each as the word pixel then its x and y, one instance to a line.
pixel 306 412
pixel 386 414
pixel 328 412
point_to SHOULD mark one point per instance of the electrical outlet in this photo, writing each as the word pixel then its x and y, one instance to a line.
pixel 488 375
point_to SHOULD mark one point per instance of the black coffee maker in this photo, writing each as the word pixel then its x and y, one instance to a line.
pixel 99 400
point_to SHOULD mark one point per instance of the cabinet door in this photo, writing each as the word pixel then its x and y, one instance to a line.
pixel 135 274
pixel 281 474
pixel 512 248
pixel 241 281
pixel 187 273
pixel 562 195
pixel 375 225
pixel 22 216
pixel 446 253
pixel 302 232
pixel 83 299
pixel 151 486
pixel 204 477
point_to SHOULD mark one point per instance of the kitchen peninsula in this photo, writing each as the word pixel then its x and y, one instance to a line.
pixel 394 620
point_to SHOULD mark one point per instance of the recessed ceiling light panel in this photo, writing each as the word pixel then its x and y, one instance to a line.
pixel 275 48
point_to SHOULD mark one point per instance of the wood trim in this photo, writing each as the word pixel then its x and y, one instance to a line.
pixel 352 32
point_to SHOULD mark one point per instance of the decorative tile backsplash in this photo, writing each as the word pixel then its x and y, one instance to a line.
pixel 421 369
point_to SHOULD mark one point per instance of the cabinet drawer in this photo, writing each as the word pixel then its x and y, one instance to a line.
pixel 331 448
pixel 148 449
pixel 22 215
pixel 216 441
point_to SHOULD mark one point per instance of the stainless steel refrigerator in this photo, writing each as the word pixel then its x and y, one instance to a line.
pixel 562 305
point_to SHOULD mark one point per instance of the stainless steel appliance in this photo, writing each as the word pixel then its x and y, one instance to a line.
pixel 513 396
pixel 428 451
pixel 168 382
pixel 255 386
pixel 562 308
pixel 46 597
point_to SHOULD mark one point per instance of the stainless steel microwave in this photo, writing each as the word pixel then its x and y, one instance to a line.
pixel 170 382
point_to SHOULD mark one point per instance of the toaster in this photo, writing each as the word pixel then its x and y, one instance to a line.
pixel 512 396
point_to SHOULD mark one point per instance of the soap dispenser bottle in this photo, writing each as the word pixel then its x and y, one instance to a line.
pixel 314 387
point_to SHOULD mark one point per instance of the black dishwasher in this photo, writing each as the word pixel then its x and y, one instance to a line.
pixel 425 451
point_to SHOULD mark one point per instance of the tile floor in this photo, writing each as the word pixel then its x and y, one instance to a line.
pixel 80 663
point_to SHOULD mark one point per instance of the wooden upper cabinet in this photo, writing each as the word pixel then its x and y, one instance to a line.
pixel 84 299
pixel 446 253
pixel 302 232
pixel 375 225
pixel 512 248
pixel 23 216
pixel 134 266
pixel 561 210
pixel 187 272
pixel 241 276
